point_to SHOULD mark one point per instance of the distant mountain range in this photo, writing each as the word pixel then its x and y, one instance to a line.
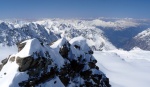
pixel 101 34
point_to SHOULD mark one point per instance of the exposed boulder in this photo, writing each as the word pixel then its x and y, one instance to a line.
pixel 4 61
pixel 64 50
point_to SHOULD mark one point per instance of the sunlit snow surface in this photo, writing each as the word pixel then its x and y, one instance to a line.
pixel 125 68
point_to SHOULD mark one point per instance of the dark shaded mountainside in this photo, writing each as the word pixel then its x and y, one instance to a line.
pixel 63 64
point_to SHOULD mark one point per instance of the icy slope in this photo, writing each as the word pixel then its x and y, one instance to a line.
pixel 125 68
pixel 64 64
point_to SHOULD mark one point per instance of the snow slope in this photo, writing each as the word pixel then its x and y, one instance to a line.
pixel 125 68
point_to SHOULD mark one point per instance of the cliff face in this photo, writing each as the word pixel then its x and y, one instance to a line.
pixel 63 64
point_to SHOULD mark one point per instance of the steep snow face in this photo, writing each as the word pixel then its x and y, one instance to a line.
pixel 125 68
pixel 62 64
pixel 141 40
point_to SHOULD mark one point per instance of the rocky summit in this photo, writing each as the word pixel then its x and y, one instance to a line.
pixel 62 64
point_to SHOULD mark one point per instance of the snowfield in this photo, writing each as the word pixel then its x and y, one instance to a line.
pixel 125 68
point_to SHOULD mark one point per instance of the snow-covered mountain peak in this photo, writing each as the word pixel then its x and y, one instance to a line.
pixel 37 64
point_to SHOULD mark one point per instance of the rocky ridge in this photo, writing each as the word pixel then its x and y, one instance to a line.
pixel 65 63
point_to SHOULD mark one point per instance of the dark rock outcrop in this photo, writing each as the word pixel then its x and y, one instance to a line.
pixel 20 46
pixel 81 67
pixel 12 59
pixel 1 66
pixel 4 61
pixel 24 63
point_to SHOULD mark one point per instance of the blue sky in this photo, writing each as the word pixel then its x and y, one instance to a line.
pixel 32 9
